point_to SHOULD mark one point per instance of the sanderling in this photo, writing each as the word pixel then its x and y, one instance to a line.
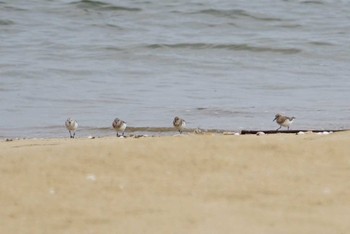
pixel 179 124
pixel 283 121
pixel 71 126
pixel 119 125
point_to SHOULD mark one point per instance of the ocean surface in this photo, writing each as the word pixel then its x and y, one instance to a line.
pixel 219 64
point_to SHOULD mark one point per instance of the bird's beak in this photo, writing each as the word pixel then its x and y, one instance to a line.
pixel 274 119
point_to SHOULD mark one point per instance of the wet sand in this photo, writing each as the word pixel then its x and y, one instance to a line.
pixel 188 184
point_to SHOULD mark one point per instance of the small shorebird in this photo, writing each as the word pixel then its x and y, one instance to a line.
pixel 179 124
pixel 71 126
pixel 119 125
pixel 283 121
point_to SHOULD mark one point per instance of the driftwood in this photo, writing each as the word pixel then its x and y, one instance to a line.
pixel 246 132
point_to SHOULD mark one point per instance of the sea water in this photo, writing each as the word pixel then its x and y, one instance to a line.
pixel 225 64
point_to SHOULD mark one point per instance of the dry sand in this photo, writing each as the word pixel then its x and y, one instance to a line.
pixel 190 184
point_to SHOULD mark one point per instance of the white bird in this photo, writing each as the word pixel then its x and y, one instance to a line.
pixel 283 121
pixel 119 125
pixel 71 126
pixel 179 124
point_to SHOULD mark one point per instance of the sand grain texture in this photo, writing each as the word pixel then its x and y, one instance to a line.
pixel 191 184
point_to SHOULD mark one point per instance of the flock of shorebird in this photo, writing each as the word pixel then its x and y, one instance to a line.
pixel 178 123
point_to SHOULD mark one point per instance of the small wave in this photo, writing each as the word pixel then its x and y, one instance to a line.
pixel 321 43
pixel 6 7
pixel 6 22
pixel 98 5
pixel 235 13
pixel 113 26
pixel 236 47
pixel 113 48
pixel 312 2
pixel 222 112
pixel 289 26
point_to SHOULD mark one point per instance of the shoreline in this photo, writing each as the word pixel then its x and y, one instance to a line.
pixel 188 132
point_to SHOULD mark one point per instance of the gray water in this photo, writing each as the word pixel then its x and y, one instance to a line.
pixel 225 64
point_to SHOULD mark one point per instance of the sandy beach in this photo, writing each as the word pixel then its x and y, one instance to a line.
pixel 188 184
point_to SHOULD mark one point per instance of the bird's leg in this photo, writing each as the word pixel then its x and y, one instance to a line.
pixel 278 128
pixel 117 134
pixel 70 134
pixel 73 134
